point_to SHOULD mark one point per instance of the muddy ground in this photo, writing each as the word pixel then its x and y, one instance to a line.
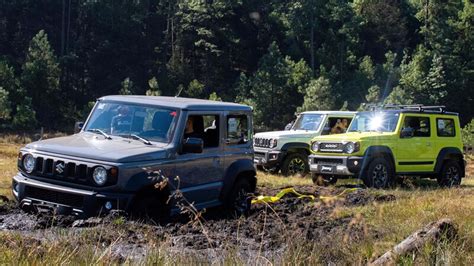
pixel 266 232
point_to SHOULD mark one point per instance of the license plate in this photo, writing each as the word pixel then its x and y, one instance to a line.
pixel 326 169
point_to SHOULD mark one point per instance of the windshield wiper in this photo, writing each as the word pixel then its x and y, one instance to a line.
pixel 142 139
pixel 96 130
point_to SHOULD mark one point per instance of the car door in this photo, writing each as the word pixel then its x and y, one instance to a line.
pixel 200 174
pixel 415 151
pixel 238 138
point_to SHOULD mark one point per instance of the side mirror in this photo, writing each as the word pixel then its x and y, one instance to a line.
pixel 78 126
pixel 193 145
pixel 407 133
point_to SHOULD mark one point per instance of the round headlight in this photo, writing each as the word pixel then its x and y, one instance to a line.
pixel 349 147
pixel 100 175
pixel 29 163
pixel 273 143
pixel 315 146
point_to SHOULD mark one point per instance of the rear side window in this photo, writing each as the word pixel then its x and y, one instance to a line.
pixel 237 129
pixel 445 127
pixel 419 125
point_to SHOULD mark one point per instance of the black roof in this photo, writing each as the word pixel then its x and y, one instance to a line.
pixel 178 102
pixel 412 108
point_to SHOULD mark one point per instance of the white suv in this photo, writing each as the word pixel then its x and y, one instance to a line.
pixel 288 150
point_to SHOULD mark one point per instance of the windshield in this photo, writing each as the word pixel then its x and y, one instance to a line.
pixel 374 121
pixel 126 120
pixel 308 122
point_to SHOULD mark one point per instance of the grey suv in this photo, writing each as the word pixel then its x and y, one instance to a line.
pixel 137 153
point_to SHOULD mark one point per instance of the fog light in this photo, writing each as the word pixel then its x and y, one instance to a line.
pixel 356 162
pixel 108 205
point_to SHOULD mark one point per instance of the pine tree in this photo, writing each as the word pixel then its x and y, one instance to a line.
pixel 318 96
pixel 154 88
pixel 5 105
pixel 40 79
pixel 127 87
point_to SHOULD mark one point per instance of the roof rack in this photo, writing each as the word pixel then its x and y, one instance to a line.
pixel 412 107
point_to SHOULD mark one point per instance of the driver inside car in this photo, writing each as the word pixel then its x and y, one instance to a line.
pixel 122 122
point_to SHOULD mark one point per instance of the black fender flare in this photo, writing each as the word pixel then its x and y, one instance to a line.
pixel 452 153
pixel 290 147
pixel 244 166
pixel 371 153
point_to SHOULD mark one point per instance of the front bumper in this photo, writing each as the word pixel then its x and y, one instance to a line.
pixel 335 165
pixel 268 158
pixel 34 194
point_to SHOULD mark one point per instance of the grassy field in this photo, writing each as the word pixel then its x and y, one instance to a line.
pixel 384 224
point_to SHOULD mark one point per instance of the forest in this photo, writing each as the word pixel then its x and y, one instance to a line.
pixel 279 56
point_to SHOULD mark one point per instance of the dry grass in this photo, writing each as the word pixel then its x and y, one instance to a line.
pixel 386 224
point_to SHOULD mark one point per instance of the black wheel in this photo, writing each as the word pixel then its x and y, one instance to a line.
pixel 323 180
pixel 450 174
pixel 239 200
pixel 380 174
pixel 151 206
pixel 295 164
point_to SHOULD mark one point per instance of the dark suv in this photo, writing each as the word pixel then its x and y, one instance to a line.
pixel 137 153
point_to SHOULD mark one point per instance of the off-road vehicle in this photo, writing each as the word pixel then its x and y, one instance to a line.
pixel 400 140
pixel 288 150
pixel 143 154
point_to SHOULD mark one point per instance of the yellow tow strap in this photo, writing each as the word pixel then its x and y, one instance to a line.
pixel 283 192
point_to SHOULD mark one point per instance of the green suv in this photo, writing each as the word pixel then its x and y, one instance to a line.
pixel 398 140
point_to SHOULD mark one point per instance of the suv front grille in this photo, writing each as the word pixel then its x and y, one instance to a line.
pixel 54 196
pixel 331 161
pixel 261 142
pixel 62 170
pixel 331 147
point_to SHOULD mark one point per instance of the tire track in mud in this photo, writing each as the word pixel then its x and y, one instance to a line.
pixel 267 231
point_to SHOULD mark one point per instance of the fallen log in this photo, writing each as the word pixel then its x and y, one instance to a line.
pixel 431 233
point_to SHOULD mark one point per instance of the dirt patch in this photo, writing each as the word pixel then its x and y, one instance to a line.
pixel 268 230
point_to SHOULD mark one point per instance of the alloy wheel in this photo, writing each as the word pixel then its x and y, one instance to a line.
pixel 380 175
pixel 296 166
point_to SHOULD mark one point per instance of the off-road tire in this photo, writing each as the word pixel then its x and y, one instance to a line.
pixel 151 206
pixel 380 174
pixel 323 180
pixel 450 174
pixel 295 163
pixel 239 200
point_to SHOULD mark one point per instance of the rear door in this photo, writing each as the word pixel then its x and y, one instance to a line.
pixel 415 154
pixel 238 138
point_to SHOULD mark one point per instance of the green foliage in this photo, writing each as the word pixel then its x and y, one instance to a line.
pixel 412 51
pixel 318 96
pixel 275 88
pixel 4 105
pixel 40 80
pixel 398 96
pixel 214 97
pixel 154 88
pixel 25 115
pixel 195 89
pixel 467 134
pixel 127 87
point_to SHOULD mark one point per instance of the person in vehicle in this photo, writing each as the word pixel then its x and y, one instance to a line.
pixel 122 122
pixel 340 126
pixel 192 128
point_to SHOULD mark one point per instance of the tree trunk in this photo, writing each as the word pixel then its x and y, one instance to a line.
pixel 429 234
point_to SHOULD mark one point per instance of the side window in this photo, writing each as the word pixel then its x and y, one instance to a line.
pixel 205 127
pixel 445 127
pixel 336 125
pixel 237 129
pixel 419 125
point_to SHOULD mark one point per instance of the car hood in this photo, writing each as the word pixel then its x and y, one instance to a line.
pixel 286 134
pixel 354 136
pixel 96 147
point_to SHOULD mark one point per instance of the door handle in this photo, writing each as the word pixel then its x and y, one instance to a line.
pixel 428 144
